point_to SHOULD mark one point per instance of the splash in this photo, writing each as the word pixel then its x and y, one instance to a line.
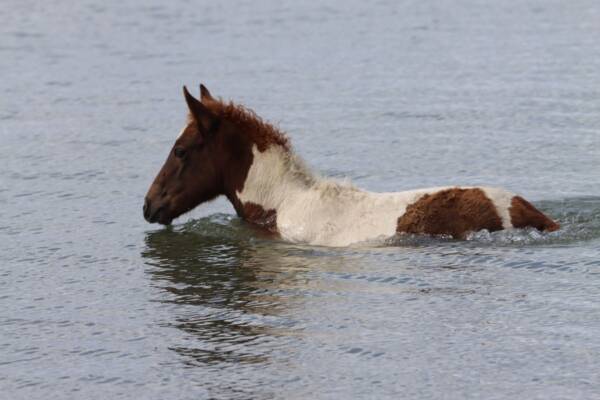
pixel 579 219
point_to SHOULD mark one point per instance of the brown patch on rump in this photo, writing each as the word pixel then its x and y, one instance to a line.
pixel 523 215
pixel 257 215
pixel 454 212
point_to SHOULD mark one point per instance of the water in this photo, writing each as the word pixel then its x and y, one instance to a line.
pixel 96 303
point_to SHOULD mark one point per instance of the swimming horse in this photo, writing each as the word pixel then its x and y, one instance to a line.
pixel 226 149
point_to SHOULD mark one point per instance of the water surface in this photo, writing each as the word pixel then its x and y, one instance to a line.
pixel 96 303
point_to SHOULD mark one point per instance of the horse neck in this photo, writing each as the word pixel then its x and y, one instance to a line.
pixel 275 175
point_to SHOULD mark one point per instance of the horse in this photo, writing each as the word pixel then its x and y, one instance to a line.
pixel 226 149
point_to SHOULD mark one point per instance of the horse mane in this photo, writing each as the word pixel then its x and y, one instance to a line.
pixel 262 133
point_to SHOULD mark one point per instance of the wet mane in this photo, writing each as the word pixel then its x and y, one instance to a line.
pixel 262 133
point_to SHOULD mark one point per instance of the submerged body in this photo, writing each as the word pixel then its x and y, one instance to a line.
pixel 227 150
pixel 304 208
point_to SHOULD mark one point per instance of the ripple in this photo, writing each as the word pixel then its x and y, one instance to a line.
pixel 97 304
pixel 579 219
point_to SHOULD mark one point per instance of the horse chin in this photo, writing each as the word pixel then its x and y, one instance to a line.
pixel 167 215
pixel 165 221
pixel 164 218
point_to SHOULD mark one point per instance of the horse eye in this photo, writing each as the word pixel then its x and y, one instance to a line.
pixel 179 152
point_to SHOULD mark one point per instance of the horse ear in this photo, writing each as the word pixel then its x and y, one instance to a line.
pixel 205 94
pixel 203 116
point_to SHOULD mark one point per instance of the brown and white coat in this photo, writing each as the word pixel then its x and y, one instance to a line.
pixel 269 186
pixel 304 208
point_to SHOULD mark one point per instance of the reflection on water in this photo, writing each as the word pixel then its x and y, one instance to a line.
pixel 239 295
pixel 211 272
pixel 257 314
pixel 232 284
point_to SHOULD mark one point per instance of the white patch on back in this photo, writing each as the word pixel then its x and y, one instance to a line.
pixel 502 199
pixel 321 211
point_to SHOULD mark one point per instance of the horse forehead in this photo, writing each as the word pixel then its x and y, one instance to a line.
pixel 187 132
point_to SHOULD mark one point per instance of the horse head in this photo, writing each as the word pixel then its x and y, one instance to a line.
pixel 205 162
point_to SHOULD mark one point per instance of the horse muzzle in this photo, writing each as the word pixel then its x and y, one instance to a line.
pixel 154 212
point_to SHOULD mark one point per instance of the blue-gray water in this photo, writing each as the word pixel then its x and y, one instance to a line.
pixel 97 304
